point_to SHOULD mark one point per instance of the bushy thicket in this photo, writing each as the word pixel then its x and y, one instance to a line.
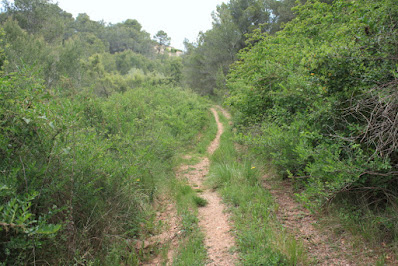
pixel 319 98
pixel 84 167
pixel 90 121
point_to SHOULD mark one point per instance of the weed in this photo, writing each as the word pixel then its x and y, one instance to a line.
pixel 200 202
pixel 191 250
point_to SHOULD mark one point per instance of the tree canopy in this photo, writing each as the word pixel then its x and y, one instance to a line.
pixel 207 61
pixel 162 38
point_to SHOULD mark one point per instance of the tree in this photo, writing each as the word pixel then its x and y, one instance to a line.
pixel 39 17
pixel 128 36
pixel 207 63
pixel 162 39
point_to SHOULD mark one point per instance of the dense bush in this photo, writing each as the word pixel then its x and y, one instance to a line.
pixel 319 99
pixel 90 121
pixel 84 167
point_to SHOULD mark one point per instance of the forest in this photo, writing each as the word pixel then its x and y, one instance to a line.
pixel 95 118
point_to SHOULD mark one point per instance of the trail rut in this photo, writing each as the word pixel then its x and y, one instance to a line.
pixel 212 218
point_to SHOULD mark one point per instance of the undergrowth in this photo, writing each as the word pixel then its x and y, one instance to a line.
pixel 322 106
pixel 78 175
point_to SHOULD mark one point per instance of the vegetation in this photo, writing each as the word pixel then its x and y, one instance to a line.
pixel 206 62
pixel 259 237
pixel 91 120
pixel 191 249
pixel 93 116
pixel 318 98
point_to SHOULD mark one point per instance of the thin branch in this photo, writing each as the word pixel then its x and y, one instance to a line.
pixel 24 173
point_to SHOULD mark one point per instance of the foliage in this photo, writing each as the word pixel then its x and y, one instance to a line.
pixel 78 54
pixel 128 36
pixel 206 61
pixel 318 98
pixel 90 121
pixel 39 17
pixel 162 38
pixel 90 165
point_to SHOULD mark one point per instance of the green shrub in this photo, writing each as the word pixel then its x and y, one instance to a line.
pixel 317 98
pixel 88 164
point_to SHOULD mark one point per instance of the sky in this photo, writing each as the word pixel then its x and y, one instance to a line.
pixel 180 19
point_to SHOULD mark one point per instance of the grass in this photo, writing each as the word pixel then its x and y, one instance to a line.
pixel 191 250
pixel 200 202
pixel 260 238
pixel 204 139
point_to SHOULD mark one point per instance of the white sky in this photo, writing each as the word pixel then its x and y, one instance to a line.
pixel 180 19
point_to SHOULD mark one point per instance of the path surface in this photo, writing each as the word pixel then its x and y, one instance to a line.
pixel 322 245
pixel 169 236
pixel 212 218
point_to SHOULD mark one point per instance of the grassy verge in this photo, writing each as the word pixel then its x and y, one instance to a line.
pixel 260 239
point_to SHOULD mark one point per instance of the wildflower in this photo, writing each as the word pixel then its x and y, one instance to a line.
pixel 138 180
pixel 253 167
pixel 312 74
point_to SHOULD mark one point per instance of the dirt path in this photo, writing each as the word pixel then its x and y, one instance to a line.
pixel 168 237
pixel 321 244
pixel 212 218
pixel 300 223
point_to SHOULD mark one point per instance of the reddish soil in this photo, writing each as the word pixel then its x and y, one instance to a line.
pixel 212 218
pixel 169 236
pixel 323 246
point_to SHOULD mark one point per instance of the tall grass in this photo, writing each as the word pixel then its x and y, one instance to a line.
pixel 80 173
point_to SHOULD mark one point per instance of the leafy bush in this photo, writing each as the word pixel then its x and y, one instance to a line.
pixel 89 165
pixel 87 137
pixel 318 98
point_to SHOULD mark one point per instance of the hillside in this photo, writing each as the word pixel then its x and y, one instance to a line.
pixel 271 140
